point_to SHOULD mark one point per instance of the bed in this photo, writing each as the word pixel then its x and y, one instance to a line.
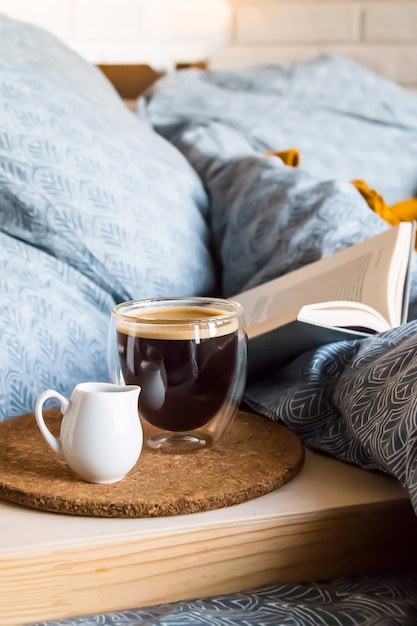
pixel 100 204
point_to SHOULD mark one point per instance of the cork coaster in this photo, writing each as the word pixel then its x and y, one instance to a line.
pixel 255 457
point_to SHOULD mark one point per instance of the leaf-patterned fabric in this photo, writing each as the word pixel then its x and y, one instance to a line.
pixel 95 208
pixel 86 180
pixel 356 400
pixel 53 326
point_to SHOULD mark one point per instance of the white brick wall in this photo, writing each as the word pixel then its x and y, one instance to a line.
pixel 391 22
pixel 380 34
pixel 159 32
pixel 302 23
pixel 51 14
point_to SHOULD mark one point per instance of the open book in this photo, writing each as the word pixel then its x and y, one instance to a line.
pixel 358 291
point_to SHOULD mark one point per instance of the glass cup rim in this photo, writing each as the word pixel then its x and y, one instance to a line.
pixel 236 310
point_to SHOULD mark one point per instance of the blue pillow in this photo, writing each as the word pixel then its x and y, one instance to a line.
pixel 86 180
pixel 53 326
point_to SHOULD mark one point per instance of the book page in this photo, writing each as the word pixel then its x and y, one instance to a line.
pixel 344 314
pixel 342 283
pixel 360 273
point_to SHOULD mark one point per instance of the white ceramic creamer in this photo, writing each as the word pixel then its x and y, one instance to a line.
pixel 101 434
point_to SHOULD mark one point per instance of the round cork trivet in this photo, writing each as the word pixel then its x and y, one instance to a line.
pixel 255 457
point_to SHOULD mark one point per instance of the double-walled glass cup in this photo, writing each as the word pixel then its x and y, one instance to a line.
pixel 188 355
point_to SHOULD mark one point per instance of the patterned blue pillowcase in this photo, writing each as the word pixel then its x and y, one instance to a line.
pixel 91 183
pixel 53 326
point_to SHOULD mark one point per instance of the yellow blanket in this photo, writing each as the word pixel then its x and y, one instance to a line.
pixel 404 211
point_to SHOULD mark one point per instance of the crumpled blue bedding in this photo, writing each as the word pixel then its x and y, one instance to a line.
pixel 96 207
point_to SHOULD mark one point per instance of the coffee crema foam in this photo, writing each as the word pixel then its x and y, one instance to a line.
pixel 177 322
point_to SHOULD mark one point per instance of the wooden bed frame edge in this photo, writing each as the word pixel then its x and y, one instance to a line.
pixel 130 80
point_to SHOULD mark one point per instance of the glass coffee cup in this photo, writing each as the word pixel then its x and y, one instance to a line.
pixel 189 357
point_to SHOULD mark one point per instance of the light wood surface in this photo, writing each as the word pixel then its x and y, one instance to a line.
pixel 331 520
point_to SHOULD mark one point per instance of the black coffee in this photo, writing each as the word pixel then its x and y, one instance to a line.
pixel 184 381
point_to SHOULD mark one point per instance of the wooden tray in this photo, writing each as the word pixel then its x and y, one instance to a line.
pixel 255 457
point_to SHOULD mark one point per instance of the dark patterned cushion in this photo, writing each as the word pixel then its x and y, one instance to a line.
pixel 356 400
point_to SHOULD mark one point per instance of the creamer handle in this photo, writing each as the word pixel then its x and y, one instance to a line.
pixel 52 441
